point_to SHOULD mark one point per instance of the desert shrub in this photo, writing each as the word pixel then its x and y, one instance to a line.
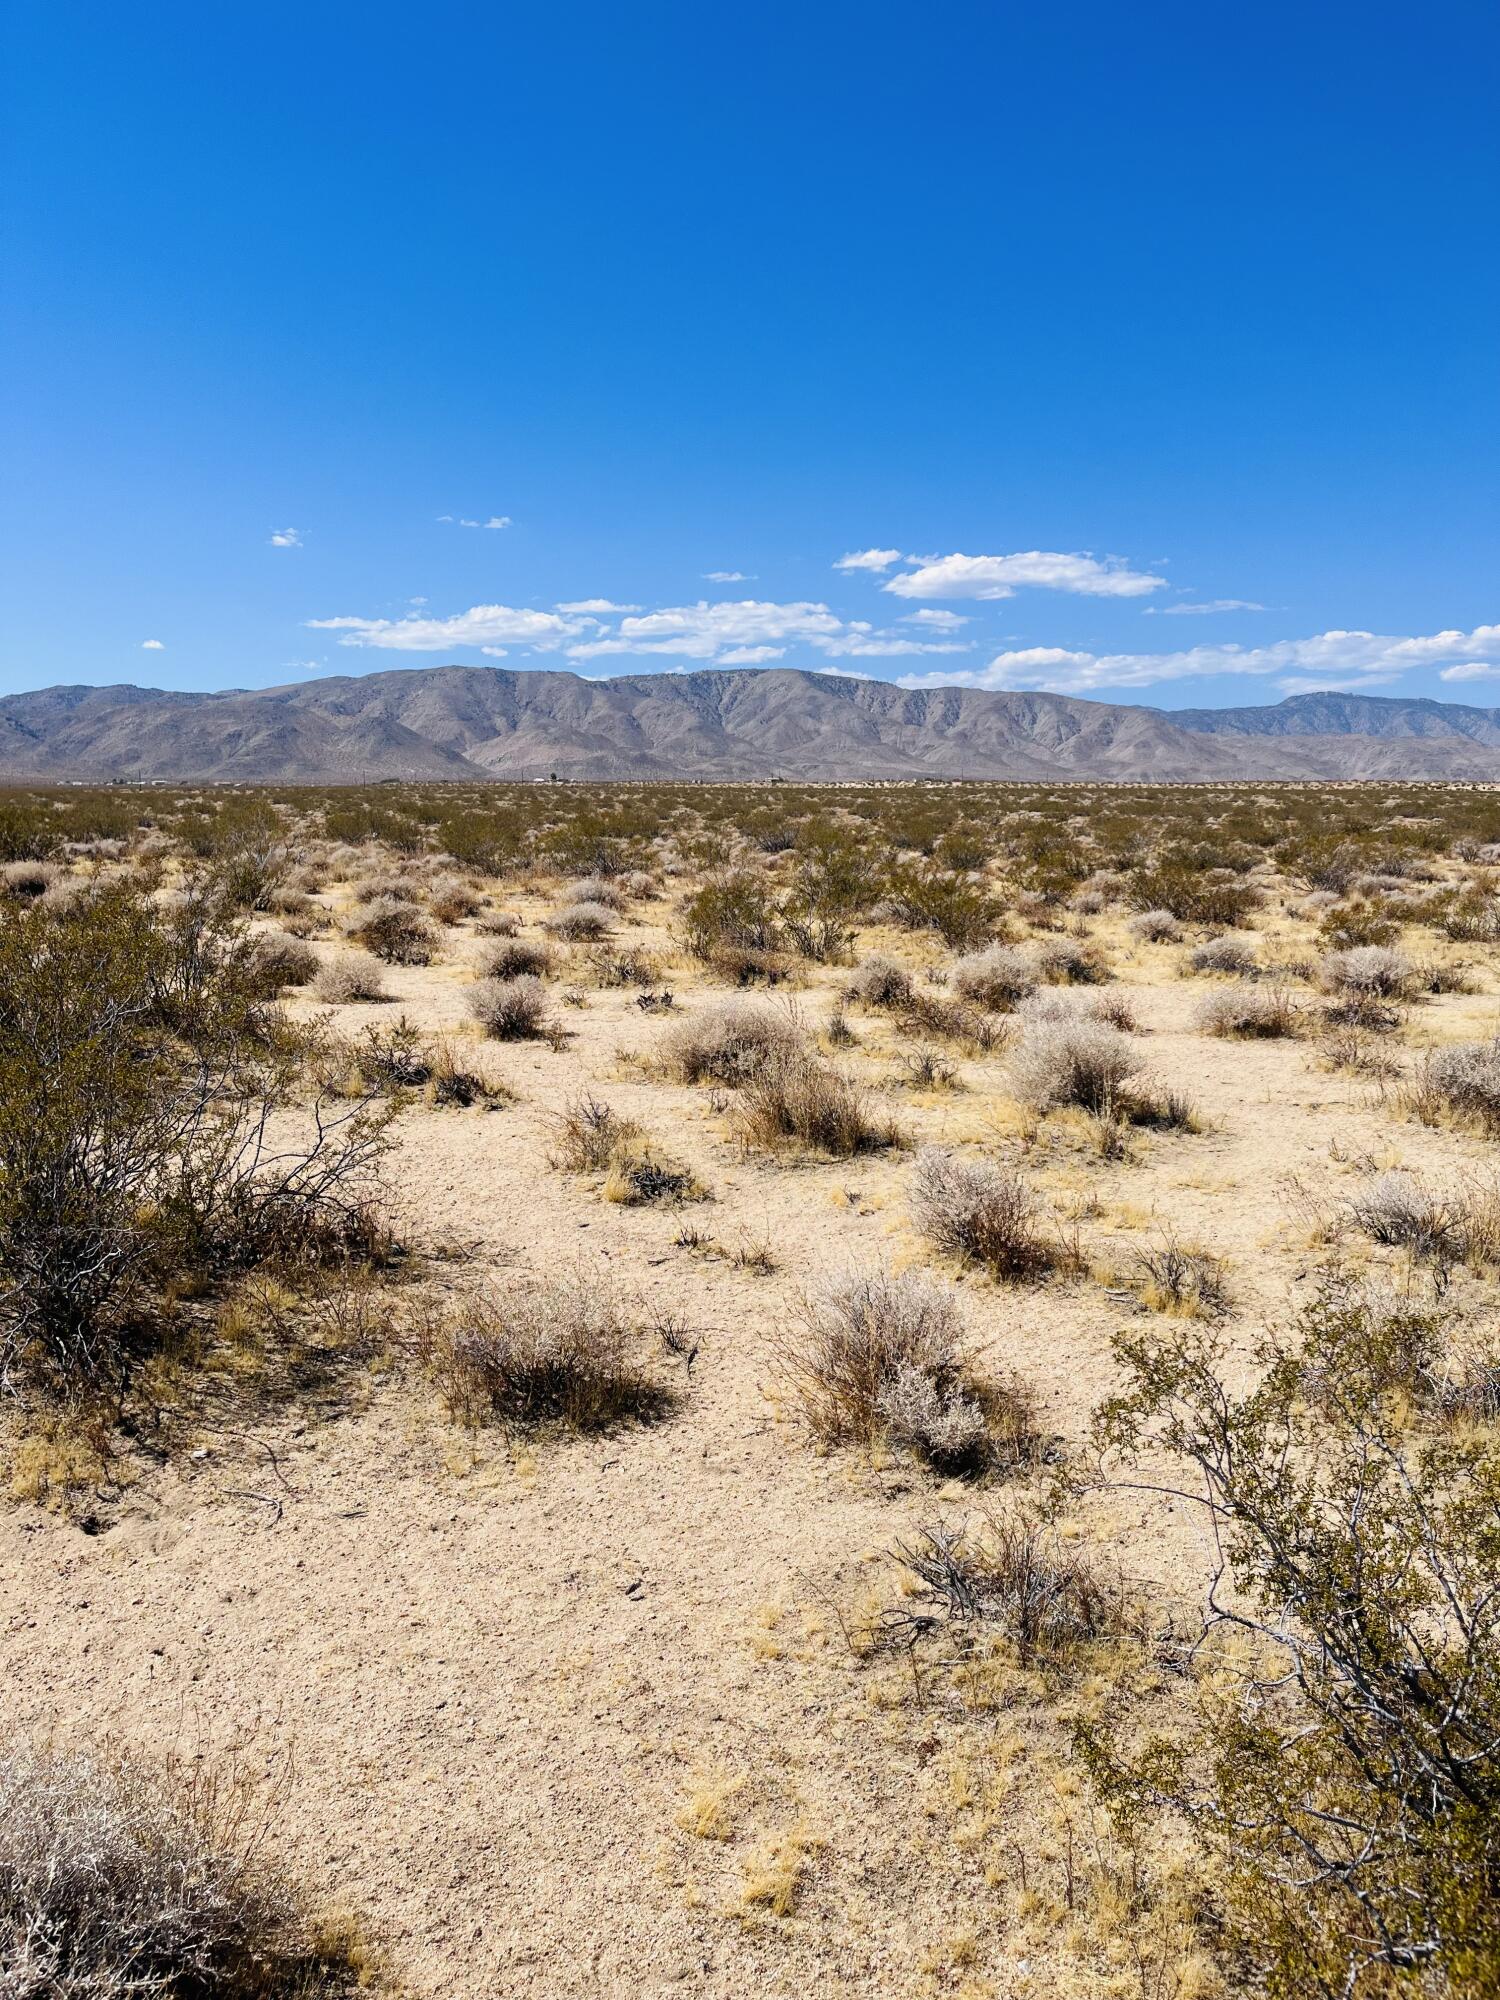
pixel 348 978
pixel 1083 1063
pixel 1255 1013
pixel 1373 970
pixel 732 915
pixel 1017 1578
pixel 510 1010
pixel 396 932
pixel 590 1133
pixel 581 922
pixel 1055 1004
pixel 798 1101
pixel 729 1043
pixel 1174 1278
pixel 599 890
pixel 542 1355
pixel 513 958
pixel 1234 955
pixel 1462 1081
pixel 876 1357
pixel 138 1082
pixel 1155 927
pixel 879 982
pixel 283 961
pixel 497 923
pixel 27 879
pixel 1355 926
pixel 1442 1229
pixel 1343 1766
pixel 1193 896
pixel 117 1883
pixel 997 978
pixel 928 898
pixel 1473 917
pixel 1063 961
pixel 450 901
pixel 983 1214
pixel 950 1020
pixel 393 1058
pixel 631 965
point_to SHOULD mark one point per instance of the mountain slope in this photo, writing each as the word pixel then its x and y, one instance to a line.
pixel 1333 714
pixel 476 722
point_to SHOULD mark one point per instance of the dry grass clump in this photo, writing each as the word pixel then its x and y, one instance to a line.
pixel 984 1215
pixel 546 1355
pixel 119 1884
pixel 880 981
pixel 1155 927
pixel 515 958
pixel 1235 956
pixel 1373 971
pixel 397 932
pixel 879 1358
pixel 1015 1577
pixel 497 923
pixel 346 979
pixel 997 978
pixel 1461 1082
pixel 730 1042
pixel 510 1010
pixel 1255 1013
pixel 581 922
pixel 799 1101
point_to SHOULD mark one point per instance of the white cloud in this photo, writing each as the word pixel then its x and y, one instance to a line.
pixel 286 538
pixel 751 656
pixel 706 631
pixel 1202 610
pixel 992 577
pixel 463 521
pixel 1328 659
pixel 1471 670
pixel 482 625
pixel 872 559
pixel 592 604
pixel 416 600
pixel 936 621
pixel 152 646
pixel 496 652
pixel 727 576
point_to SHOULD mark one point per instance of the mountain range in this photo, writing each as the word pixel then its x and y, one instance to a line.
pixel 493 722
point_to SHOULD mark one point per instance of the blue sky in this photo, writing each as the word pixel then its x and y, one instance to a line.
pixel 1151 353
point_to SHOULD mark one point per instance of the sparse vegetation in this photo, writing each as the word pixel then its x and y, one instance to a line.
pixel 984 1215
pixel 117 1881
pixel 548 1354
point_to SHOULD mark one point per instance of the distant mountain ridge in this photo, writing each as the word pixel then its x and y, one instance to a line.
pixel 496 722
pixel 1333 714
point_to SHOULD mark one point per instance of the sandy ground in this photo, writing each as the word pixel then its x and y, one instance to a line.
pixel 492 1679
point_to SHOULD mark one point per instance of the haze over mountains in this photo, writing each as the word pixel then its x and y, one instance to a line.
pixel 493 722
